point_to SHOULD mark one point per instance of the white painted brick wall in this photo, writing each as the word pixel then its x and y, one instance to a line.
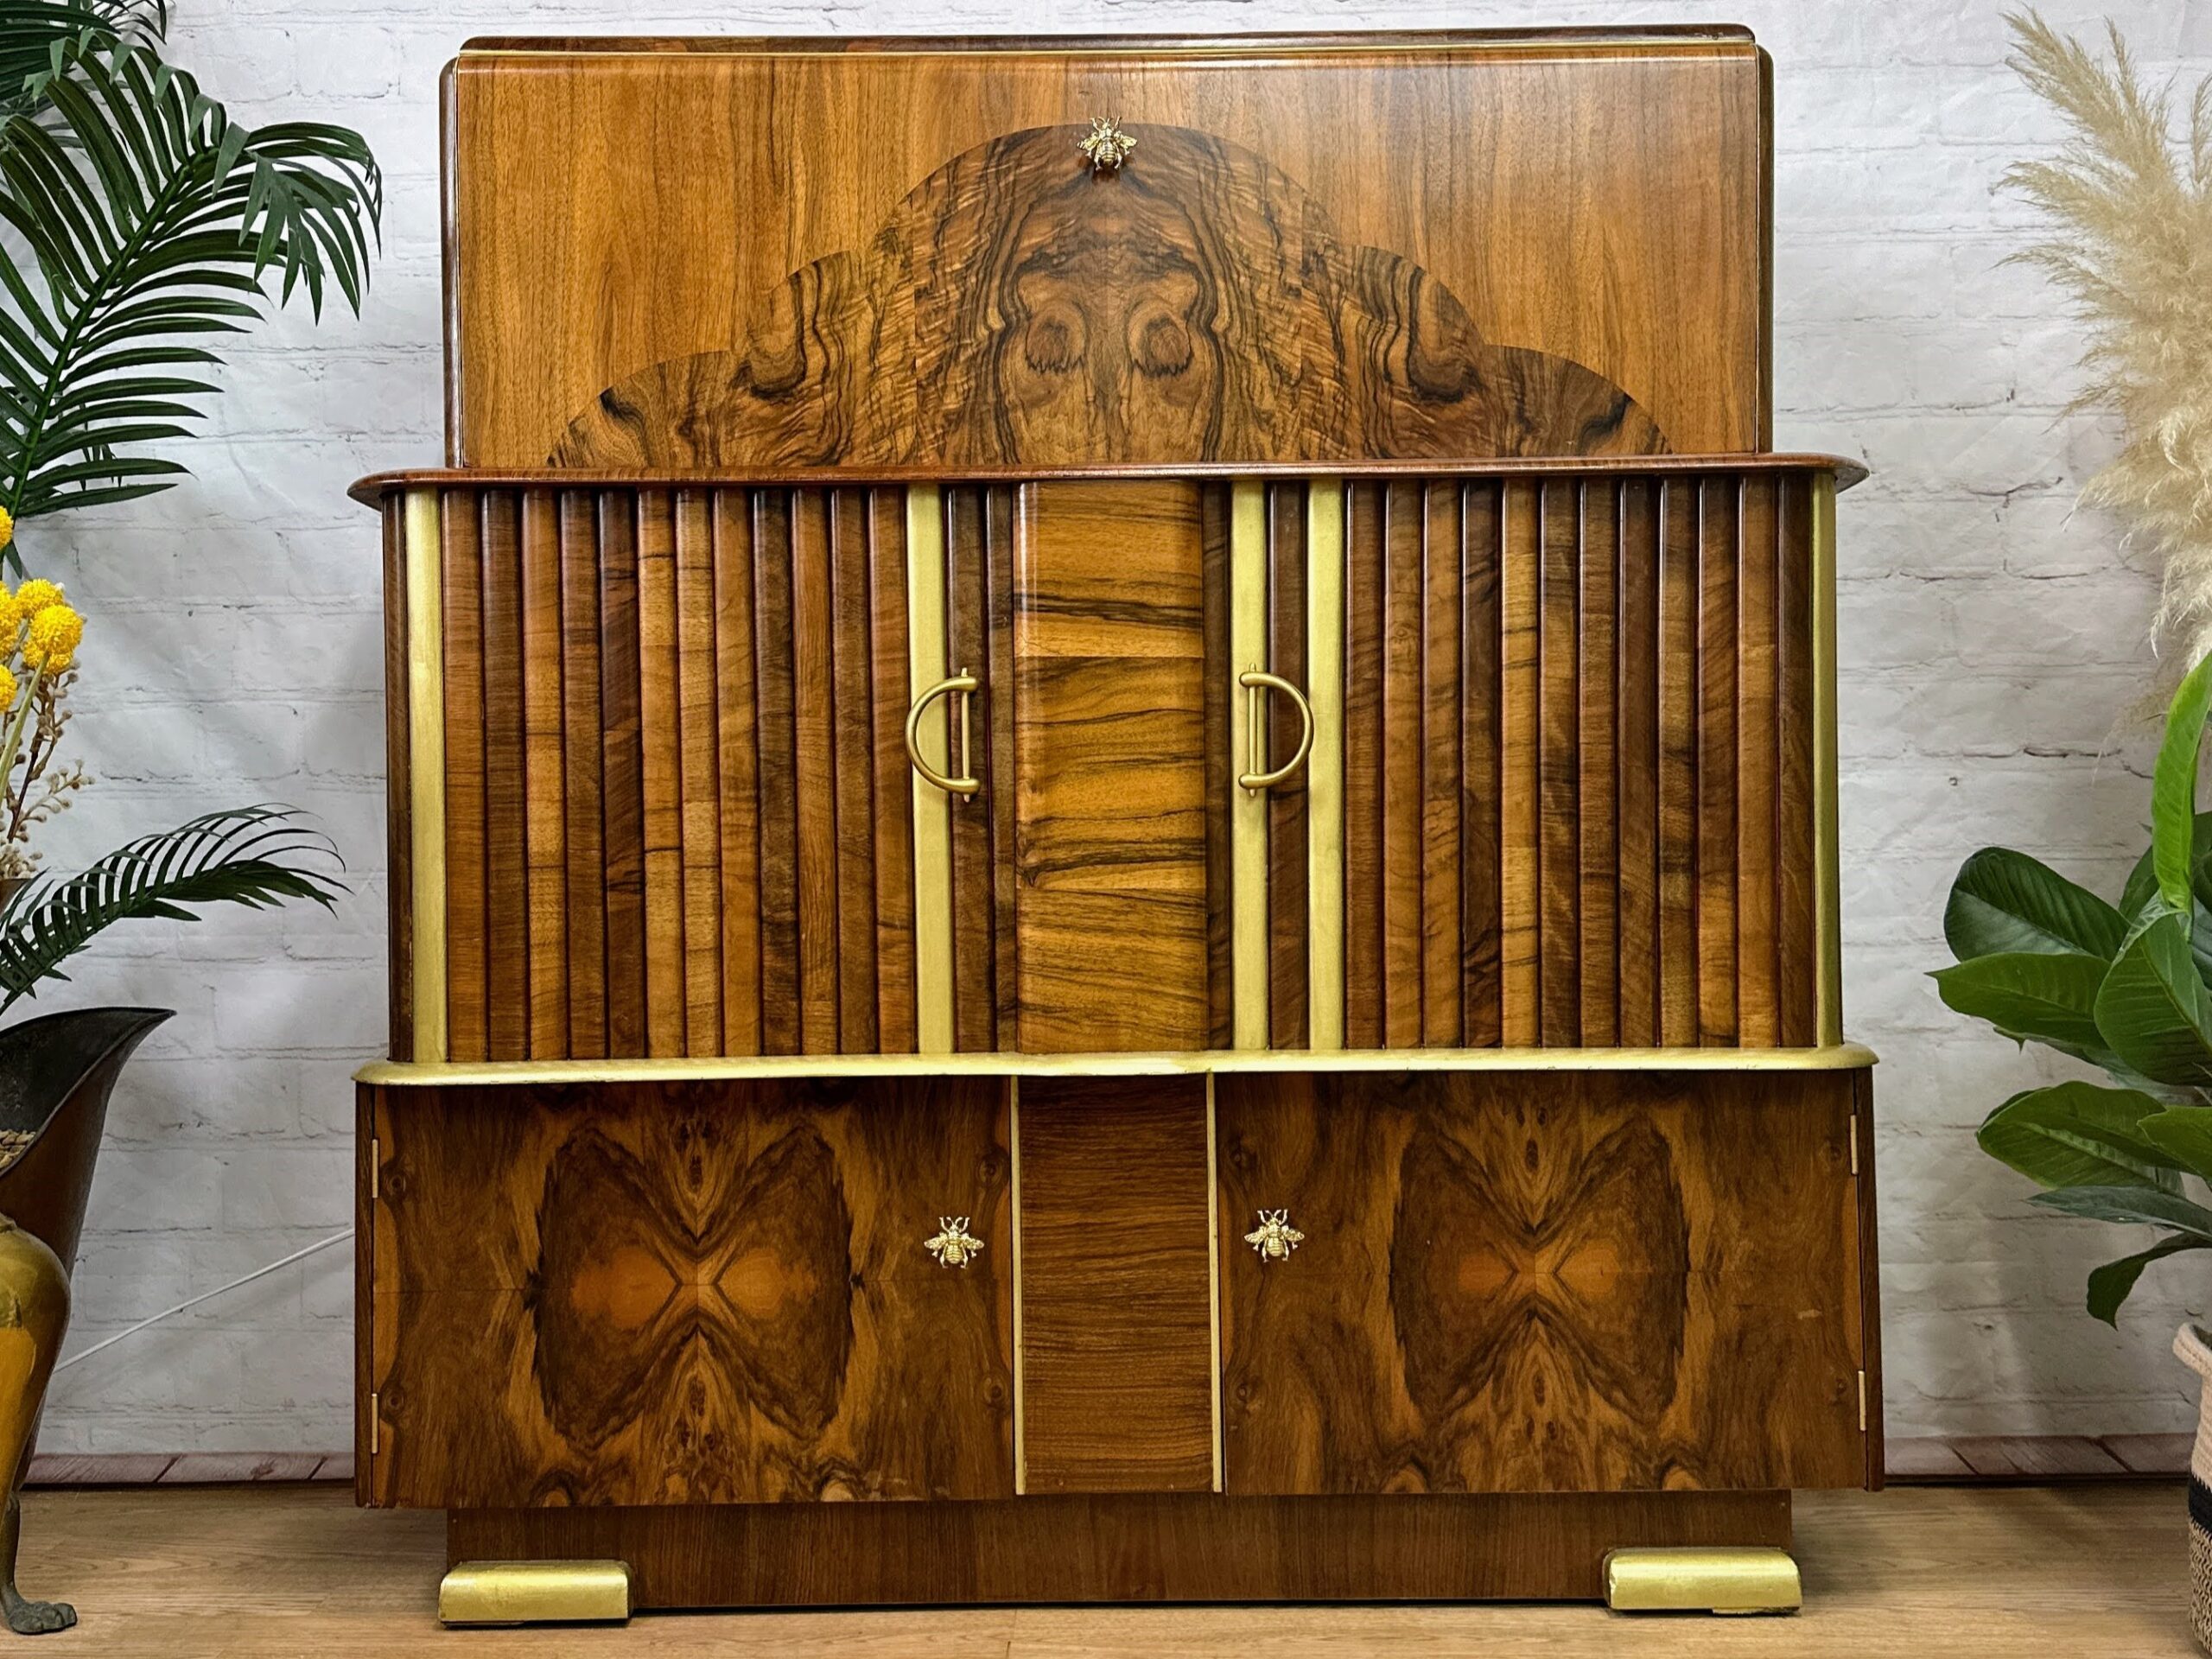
pixel 1992 638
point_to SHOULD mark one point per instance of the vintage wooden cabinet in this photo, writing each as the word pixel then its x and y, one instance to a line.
pixel 1124 852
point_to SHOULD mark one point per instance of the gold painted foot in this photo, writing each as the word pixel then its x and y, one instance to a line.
pixel 536 1592
pixel 1698 1580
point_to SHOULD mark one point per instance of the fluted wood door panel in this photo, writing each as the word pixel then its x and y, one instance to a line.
pixel 1111 807
pixel 702 1293
pixel 674 747
pixel 1555 1281
pixel 1579 790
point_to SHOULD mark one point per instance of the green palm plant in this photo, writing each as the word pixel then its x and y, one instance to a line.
pixel 144 225
pixel 149 224
pixel 2127 987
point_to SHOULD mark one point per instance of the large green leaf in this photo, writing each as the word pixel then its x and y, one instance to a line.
pixel 2029 993
pixel 2080 1134
pixel 2153 1010
pixel 30 29
pixel 2145 1205
pixel 2183 1136
pixel 2109 1285
pixel 142 224
pixel 2005 902
pixel 248 856
pixel 2173 788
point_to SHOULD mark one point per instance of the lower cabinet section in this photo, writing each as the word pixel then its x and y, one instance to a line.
pixel 714 1293
pixel 1542 1281
pixel 1179 1290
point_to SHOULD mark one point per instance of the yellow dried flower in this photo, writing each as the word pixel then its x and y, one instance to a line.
pixel 11 620
pixel 52 638
pixel 37 593
pixel 7 690
pixel 7 526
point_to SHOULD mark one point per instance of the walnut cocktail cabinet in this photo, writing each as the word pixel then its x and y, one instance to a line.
pixel 1113 847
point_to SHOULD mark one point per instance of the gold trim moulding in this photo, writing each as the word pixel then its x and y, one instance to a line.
pixel 1702 1579
pixel 534 1592
pixel 1840 1056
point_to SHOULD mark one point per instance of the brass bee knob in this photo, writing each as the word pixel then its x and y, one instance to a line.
pixel 1275 1238
pixel 954 1246
pixel 1108 146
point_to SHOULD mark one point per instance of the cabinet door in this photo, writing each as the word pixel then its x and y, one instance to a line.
pixel 1540 1283
pixel 711 1293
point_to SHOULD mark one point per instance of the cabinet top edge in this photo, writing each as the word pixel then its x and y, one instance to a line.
pixel 1698 38
pixel 371 491
pixel 1841 1057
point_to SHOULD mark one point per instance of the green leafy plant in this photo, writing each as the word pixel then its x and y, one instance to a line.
pixel 246 855
pixel 149 223
pixel 2127 987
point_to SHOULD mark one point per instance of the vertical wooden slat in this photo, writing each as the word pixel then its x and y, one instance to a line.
pixel 1479 766
pixel 814 725
pixel 1716 761
pixel 1441 720
pixel 699 765
pixel 622 774
pixel 1233 538
pixel 1403 631
pixel 966 603
pixel 506 879
pixel 1289 924
pixel 1678 757
pixel 400 829
pixel 1827 933
pixel 779 798
pixel 1325 788
pixel 1638 747
pixel 927 663
pixel 463 606
pixel 1597 716
pixel 418 1012
pixel 1795 869
pixel 661 773
pixel 738 775
pixel 544 781
pixel 1758 960
pixel 1559 786
pixel 1000 714
pixel 1364 554
pixel 853 744
pixel 1520 863
pixel 894 815
pixel 581 727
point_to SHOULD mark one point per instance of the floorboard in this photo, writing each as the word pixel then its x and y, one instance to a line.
pixel 254 1572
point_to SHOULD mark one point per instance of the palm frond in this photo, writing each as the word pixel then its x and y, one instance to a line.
pixel 253 855
pixel 30 29
pixel 146 222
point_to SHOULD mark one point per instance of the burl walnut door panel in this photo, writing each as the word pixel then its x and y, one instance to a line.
pixel 1562 1281
pixel 1120 844
pixel 710 1293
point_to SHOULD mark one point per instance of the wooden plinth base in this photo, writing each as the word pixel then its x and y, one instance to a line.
pixel 1123 1548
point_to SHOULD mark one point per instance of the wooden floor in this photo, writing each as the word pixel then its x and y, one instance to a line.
pixel 245 1572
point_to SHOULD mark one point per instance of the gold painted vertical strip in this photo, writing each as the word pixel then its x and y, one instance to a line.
pixel 1247 809
pixel 1213 1281
pixel 1827 913
pixel 1013 1197
pixel 426 768
pixel 1325 769
pixel 926 660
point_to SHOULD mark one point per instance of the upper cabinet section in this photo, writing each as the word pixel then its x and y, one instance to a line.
pixel 737 256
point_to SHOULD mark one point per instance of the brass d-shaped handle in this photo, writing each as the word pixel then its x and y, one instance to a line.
pixel 965 785
pixel 1254 683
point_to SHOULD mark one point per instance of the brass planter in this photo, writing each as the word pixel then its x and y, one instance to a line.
pixel 55 1075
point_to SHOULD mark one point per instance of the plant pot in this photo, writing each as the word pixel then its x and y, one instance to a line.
pixel 55 1075
pixel 2190 1348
